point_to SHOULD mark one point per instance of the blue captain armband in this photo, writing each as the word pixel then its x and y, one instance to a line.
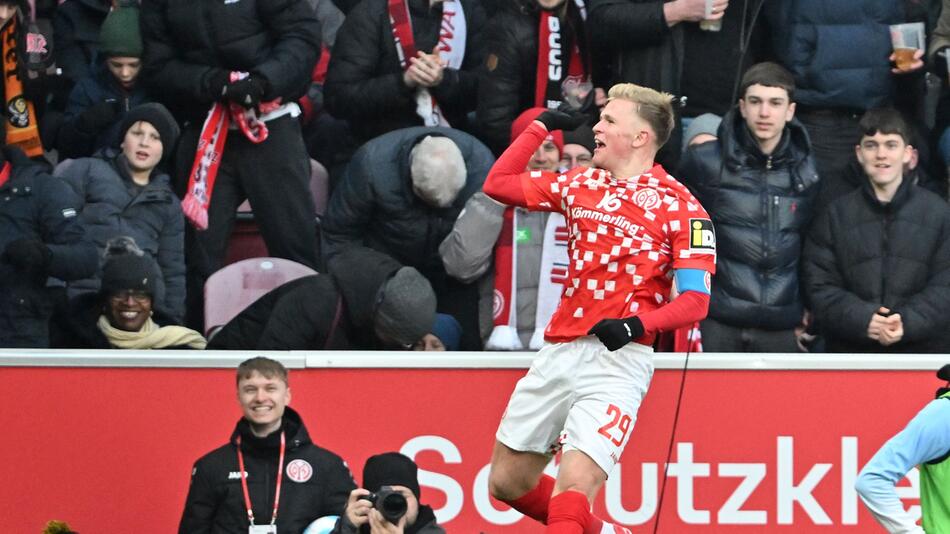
pixel 692 280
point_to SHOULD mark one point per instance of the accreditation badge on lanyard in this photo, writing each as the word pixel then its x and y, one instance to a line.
pixel 272 527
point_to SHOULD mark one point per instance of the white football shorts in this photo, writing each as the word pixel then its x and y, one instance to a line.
pixel 578 396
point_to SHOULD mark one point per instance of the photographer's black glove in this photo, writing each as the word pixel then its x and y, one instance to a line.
pixel 247 92
pixel 615 333
pixel 28 256
pixel 559 120
pixel 97 118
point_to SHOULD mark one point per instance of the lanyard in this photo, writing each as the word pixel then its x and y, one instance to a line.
pixel 280 472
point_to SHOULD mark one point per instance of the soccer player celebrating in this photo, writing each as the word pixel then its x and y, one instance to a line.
pixel 635 233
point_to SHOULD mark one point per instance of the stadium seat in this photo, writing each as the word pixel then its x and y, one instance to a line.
pixel 236 286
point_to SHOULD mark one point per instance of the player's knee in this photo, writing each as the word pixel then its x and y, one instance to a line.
pixel 500 486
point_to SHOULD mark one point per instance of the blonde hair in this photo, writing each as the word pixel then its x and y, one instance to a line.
pixel 654 107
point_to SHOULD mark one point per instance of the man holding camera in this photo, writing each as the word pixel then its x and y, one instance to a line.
pixel 388 502
pixel 269 475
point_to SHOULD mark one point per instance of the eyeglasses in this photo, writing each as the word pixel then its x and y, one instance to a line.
pixel 575 161
pixel 137 294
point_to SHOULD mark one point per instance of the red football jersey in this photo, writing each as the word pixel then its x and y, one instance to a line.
pixel 626 237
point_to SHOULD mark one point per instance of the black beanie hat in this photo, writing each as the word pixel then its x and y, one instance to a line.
pixel 390 469
pixel 128 271
pixel 158 116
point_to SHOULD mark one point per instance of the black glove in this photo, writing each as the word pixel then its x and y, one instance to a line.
pixel 588 108
pixel 246 92
pixel 29 256
pixel 559 120
pixel 98 117
pixel 615 333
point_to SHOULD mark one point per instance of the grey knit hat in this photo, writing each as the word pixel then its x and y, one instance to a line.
pixel 405 309
pixel 707 123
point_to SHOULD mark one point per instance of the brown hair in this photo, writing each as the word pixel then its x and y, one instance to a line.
pixel 770 75
pixel 885 121
pixel 265 366
pixel 652 106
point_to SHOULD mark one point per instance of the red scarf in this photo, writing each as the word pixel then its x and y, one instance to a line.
pixel 504 335
pixel 214 134
pixel 551 73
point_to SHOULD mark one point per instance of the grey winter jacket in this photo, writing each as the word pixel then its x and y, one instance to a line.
pixel 468 255
pixel 112 206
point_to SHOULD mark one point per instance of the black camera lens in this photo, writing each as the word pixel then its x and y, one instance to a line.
pixel 391 504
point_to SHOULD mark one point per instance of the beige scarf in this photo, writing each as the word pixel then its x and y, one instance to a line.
pixel 151 336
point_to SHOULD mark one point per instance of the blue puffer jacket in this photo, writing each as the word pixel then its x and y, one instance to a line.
pixel 837 49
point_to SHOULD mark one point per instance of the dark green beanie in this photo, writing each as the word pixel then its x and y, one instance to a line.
pixel 120 35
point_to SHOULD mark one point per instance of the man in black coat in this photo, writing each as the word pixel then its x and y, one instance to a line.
pixel 370 85
pixel 40 237
pixel 367 301
pixel 193 48
pixel 311 481
pixel 877 260
pixel 758 182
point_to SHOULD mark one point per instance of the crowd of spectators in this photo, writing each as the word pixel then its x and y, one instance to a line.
pixel 134 131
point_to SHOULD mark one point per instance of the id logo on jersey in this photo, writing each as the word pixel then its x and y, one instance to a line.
pixel 701 234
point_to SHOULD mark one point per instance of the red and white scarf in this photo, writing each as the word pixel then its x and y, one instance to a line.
pixel 551 281
pixel 551 73
pixel 211 143
pixel 504 335
pixel 451 47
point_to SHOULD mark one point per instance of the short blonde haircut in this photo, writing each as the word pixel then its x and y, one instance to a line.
pixel 652 106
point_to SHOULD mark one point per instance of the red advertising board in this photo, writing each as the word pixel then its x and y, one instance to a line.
pixel 110 450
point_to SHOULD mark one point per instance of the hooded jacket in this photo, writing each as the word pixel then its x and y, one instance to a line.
pixel 760 207
pixel 364 80
pixel 325 311
pixel 37 206
pixel 862 254
pixel 112 206
pixel 375 205
pixel 215 503
pixel 191 43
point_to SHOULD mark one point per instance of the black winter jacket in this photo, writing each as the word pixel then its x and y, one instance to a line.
pixel 508 82
pixel 76 26
pixel 862 254
pixel 190 43
pixel 215 503
pixel 760 206
pixel 35 205
pixel 375 206
pixel 112 206
pixel 325 311
pixel 364 79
